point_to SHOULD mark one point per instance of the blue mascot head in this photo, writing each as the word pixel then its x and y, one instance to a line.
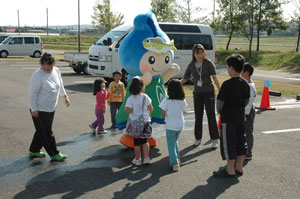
pixel 134 46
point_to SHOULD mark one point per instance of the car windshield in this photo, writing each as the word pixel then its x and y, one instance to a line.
pixel 114 35
pixel 5 41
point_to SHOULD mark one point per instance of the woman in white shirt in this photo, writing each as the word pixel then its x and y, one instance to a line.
pixel 173 108
pixel 44 89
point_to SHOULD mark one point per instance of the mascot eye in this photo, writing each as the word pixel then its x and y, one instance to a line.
pixel 148 41
pixel 167 59
pixel 151 60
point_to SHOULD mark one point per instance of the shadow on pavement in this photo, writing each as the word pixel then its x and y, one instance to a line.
pixel 105 167
pixel 85 88
pixel 214 188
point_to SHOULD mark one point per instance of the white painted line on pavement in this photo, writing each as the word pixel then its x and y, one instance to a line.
pixel 3 62
pixel 296 79
pixel 281 131
pixel 83 82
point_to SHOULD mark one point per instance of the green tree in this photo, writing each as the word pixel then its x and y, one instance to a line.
pixel 164 10
pixel 248 8
pixel 104 17
pixel 230 19
pixel 185 11
pixel 268 17
pixel 296 19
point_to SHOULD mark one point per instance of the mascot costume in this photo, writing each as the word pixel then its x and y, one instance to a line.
pixel 147 52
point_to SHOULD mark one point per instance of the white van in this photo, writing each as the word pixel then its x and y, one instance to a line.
pixel 103 56
pixel 21 46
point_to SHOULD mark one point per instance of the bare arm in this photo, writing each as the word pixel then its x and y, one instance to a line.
pixel 163 113
pixel 150 109
pixel 216 81
pixel 128 110
pixel 183 80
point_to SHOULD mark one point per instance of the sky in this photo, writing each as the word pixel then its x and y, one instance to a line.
pixel 65 12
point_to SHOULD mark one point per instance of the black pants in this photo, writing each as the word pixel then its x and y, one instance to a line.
pixel 206 100
pixel 43 136
pixel 114 107
pixel 249 131
pixel 233 140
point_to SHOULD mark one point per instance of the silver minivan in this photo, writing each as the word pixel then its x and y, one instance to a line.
pixel 21 46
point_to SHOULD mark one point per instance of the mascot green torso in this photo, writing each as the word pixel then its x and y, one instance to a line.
pixel 147 52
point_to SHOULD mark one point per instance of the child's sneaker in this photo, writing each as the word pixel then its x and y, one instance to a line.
pixel 92 128
pixel 37 154
pixel 147 160
pixel 214 144
pixel 102 132
pixel 179 161
pixel 197 142
pixel 176 167
pixel 59 157
pixel 137 162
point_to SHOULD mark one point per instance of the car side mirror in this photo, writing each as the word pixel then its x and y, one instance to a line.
pixel 109 41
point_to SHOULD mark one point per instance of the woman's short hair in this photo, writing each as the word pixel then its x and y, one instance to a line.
pixel 175 90
pixel 248 68
pixel 47 58
pixel 136 85
pixel 97 85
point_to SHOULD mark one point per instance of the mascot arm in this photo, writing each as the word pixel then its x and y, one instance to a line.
pixel 147 78
pixel 172 71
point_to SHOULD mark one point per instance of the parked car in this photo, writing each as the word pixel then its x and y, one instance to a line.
pixel 2 37
pixel 21 46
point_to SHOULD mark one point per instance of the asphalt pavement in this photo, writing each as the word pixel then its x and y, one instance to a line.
pixel 100 167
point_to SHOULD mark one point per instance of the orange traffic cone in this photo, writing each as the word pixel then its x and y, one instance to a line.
pixel 126 140
pixel 265 101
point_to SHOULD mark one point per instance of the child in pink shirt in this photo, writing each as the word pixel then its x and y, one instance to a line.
pixel 101 96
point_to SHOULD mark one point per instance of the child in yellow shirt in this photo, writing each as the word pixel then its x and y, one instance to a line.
pixel 117 95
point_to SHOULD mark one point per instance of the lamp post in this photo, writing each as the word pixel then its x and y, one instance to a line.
pixel 78 25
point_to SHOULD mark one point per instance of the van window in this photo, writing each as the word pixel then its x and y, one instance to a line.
pixel 187 41
pixel 179 28
pixel 29 40
pixel 16 40
pixel 37 41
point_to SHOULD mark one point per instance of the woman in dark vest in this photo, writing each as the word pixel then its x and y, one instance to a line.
pixel 202 69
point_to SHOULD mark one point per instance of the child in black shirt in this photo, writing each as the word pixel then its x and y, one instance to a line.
pixel 231 101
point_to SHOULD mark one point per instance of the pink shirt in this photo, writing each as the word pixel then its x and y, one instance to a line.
pixel 101 96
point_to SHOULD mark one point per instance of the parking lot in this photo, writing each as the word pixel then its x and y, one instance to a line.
pixel 100 167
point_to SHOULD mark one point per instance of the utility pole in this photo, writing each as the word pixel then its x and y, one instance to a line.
pixel 18 23
pixel 47 22
pixel 79 26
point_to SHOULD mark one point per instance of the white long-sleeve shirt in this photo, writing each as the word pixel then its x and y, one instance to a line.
pixel 44 90
pixel 251 99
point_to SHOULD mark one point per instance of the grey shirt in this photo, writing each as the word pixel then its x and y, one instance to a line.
pixel 208 69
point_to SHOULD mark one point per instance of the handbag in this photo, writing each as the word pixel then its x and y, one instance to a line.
pixel 139 128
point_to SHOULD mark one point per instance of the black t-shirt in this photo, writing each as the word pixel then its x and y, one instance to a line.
pixel 235 93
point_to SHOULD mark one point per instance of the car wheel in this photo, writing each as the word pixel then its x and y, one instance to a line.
pixel 3 54
pixel 85 69
pixel 37 54
pixel 77 70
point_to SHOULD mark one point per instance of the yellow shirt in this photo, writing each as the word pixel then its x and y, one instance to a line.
pixel 117 92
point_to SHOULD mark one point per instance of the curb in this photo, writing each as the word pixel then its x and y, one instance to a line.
pixel 275 93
